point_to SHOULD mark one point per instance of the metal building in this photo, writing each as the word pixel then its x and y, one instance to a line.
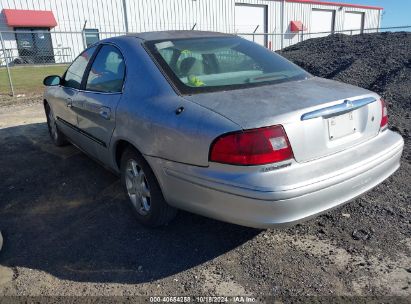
pixel 50 29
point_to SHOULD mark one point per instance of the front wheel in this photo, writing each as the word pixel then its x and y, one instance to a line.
pixel 143 191
pixel 57 137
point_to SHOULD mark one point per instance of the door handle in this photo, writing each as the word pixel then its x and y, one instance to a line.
pixel 69 102
pixel 105 113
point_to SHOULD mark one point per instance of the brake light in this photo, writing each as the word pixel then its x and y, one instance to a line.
pixel 384 116
pixel 252 147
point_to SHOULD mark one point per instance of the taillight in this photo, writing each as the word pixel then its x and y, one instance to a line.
pixel 252 147
pixel 384 116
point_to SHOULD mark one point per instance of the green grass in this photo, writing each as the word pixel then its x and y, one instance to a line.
pixel 28 79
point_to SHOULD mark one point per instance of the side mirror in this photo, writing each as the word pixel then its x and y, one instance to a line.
pixel 52 80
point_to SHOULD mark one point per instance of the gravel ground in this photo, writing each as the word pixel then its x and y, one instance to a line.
pixel 67 230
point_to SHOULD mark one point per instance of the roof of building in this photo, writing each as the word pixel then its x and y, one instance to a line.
pixel 336 4
pixel 163 35
pixel 29 18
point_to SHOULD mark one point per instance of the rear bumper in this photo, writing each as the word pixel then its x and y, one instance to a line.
pixel 265 199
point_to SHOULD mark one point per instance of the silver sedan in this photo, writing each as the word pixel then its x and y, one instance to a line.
pixel 217 125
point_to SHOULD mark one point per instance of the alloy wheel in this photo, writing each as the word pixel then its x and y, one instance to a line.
pixel 137 187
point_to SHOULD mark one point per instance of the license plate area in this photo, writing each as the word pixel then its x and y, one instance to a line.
pixel 341 125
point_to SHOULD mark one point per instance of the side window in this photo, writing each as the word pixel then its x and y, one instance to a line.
pixel 75 72
pixel 107 71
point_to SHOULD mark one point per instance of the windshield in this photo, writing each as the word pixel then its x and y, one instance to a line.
pixel 213 64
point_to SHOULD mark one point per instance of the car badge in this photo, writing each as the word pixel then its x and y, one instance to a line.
pixel 348 103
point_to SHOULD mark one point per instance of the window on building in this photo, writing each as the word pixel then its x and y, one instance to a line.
pixel 92 36
pixel 107 71
pixel 75 72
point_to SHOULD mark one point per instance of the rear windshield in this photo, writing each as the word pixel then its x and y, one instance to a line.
pixel 222 63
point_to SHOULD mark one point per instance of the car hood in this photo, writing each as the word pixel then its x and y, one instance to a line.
pixel 278 103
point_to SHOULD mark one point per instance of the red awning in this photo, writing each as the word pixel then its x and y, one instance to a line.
pixel 29 18
pixel 297 26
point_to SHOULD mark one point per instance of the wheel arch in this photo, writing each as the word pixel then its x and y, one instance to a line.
pixel 45 103
pixel 119 147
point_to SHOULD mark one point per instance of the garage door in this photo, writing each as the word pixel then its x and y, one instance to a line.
pixel 322 21
pixel 248 18
pixel 354 22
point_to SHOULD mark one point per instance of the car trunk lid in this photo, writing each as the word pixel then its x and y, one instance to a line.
pixel 320 116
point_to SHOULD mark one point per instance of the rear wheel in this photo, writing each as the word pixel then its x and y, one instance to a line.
pixel 143 190
pixel 57 137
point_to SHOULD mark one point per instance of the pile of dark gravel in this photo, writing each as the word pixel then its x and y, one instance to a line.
pixel 380 62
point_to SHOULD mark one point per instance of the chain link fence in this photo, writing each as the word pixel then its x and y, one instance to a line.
pixel 27 56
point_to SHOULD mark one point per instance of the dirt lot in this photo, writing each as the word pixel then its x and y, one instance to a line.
pixel 67 231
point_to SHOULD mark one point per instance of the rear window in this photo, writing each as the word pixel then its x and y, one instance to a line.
pixel 222 63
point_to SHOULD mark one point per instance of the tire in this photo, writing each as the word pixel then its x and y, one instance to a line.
pixel 143 191
pixel 56 136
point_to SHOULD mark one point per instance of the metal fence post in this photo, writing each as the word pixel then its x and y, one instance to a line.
pixel 255 30
pixel 7 64
pixel 83 35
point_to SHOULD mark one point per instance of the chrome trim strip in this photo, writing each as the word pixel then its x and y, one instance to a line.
pixel 86 134
pixel 338 109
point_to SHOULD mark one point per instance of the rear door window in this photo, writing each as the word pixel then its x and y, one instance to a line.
pixel 107 71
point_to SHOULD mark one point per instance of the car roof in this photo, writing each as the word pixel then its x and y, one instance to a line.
pixel 163 35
